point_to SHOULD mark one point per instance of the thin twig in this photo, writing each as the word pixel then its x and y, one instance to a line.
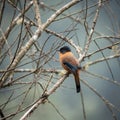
pixel 92 30
pixel 83 105
pixel 102 59
pixel 57 110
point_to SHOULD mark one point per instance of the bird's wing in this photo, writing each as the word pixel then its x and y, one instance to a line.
pixel 71 67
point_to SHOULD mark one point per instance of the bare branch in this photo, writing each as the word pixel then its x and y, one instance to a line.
pixel 103 59
pixel 44 97
pixel 92 30
pixel 38 17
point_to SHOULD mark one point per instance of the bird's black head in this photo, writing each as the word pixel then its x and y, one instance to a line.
pixel 64 49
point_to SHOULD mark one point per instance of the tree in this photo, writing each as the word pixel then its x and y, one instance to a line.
pixel 31 34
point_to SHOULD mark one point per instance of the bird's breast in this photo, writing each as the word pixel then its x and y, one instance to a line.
pixel 68 57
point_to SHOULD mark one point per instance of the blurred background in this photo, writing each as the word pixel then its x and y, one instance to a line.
pixel 100 80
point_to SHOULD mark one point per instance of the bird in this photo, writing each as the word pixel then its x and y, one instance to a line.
pixel 71 64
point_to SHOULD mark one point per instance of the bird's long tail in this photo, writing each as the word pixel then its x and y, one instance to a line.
pixel 77 81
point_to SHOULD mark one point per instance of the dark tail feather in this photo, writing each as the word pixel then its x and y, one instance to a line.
pixel 77 82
